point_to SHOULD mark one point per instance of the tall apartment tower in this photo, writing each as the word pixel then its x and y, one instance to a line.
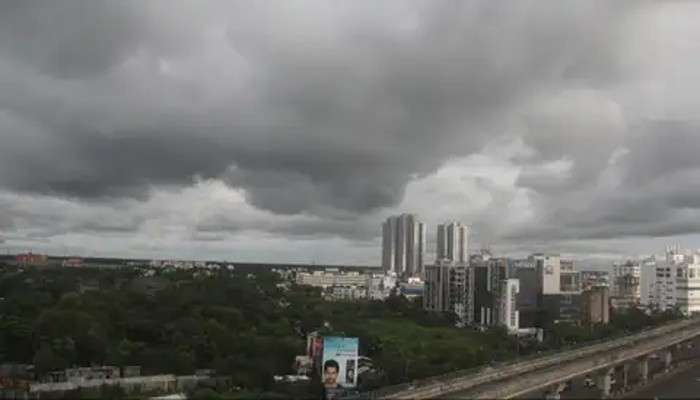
pixel 452 242
pixel 403 245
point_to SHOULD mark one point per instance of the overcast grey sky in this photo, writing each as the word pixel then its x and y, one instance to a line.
pixel 287 131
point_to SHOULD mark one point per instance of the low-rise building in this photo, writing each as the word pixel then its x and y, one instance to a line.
pixel 73 262
pixel 345 293
pixel 32 260
pixel 411 290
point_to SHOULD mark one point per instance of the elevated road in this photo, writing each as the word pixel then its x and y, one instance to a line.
pixel 523 377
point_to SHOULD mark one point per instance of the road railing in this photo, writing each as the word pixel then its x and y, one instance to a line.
pixel 466 379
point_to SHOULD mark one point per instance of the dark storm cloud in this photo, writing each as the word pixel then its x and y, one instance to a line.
pixel 351 111
pixel 323 113
pixel 74 39
pixel 655 193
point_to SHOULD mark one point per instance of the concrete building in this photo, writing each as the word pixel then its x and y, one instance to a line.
pixel 403 245
pixel 596 306
pixel 348 286
pixel 452 242
pixel 528 296
pixel 447 289
pixel 548 267
pixel 591 279
pixel 495 291
pixel 557 308
pixel 326 279
pixel 381 286
pixel 346 293
pixel 508 314
pixel 675 283
pixel 647 277
pixel 569 279
pixel 549 290
pixel 415 287
pixel 625 290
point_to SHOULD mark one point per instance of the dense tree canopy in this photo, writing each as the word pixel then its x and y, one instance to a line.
pixel 245 326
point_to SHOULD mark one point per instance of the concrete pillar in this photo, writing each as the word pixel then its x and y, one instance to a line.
pixel 668 358
pixel 644 369
pixel 625 375
pixel 605 382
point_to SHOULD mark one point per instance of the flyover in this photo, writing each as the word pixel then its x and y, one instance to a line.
pixel 630 354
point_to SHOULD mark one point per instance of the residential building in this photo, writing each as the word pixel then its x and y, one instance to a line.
pixel 345 293
pixel 337 286
pixel 676 283
pixel 325 279
pixel 381 286
pixel 447 289
pixel 625 290
pixel 403 245
pixel 452 242
pixel 596 306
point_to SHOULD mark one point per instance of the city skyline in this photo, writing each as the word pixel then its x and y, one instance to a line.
pixel 286 133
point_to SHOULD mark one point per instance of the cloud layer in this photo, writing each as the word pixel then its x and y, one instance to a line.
pixel 288 130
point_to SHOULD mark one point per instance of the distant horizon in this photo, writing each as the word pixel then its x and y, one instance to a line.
pixel 600 264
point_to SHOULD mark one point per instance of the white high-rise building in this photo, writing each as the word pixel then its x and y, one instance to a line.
pixel 403 245
pixel 509 316
pixel 675 283
pixel 452 242
pixel 548 267
pixel 647 278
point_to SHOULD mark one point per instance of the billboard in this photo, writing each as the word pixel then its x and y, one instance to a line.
pixel 339 362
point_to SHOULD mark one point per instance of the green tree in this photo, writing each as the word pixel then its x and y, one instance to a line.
pixel 46 360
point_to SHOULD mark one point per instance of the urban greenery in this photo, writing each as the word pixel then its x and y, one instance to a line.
pixel 248 327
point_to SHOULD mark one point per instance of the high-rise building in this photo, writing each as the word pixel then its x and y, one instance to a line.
pixel 647 277
pixel 528 296
pixel 452 242
pixel 403 245
pixel 625 290
pixel 447 289
pixel 495 291
pixel 548 267
pixel 676 282
pixel 508 314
